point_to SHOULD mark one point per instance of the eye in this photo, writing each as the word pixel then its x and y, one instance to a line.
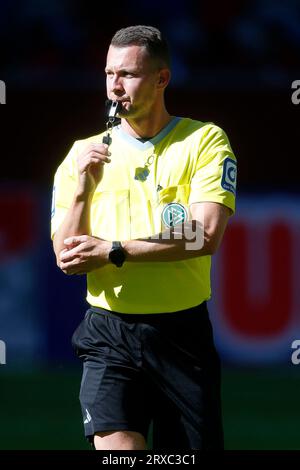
pixel 128 74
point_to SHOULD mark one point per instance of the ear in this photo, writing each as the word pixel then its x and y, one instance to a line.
pixel 164 76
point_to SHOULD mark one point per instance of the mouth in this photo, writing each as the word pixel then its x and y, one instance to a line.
pixel 124 105
pixel 122 101
pixel 119 100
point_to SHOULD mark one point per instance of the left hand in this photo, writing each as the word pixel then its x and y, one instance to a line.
pixel 83 253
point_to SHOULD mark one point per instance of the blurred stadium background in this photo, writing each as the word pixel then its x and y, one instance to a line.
pixel 233 63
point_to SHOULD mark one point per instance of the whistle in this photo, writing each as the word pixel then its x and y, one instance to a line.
pixel 113 108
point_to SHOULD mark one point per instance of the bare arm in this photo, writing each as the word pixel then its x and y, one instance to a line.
pixel 90 253
pixel 77 221
pixel 199 237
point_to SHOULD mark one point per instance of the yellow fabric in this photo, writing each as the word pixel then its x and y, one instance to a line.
pixel 186 166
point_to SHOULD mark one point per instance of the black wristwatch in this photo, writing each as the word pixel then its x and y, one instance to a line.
pixel 117 254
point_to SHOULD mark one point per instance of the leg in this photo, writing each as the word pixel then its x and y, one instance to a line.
pixel 119 440
pixel 180 353
pixel 114 395
pixel 197 425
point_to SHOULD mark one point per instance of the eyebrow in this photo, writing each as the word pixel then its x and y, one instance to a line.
pixel 124 69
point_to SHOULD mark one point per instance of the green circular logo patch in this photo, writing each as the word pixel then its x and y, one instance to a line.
pixel 173 214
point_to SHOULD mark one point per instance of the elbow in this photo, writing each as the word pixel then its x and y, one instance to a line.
pixel 56 254
pixel 58 263
pixel 57 260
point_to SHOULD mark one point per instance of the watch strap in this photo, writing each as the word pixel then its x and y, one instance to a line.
pixel 115 245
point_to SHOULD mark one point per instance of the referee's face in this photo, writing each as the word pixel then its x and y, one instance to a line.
pixel 133 79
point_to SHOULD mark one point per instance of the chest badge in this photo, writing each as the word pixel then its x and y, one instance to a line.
pixel 173 214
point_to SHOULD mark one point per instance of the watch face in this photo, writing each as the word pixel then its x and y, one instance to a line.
pixel 117 256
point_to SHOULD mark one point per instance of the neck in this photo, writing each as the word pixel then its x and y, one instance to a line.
pixel 146 127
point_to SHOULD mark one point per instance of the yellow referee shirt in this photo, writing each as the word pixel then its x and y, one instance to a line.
pixel 188 161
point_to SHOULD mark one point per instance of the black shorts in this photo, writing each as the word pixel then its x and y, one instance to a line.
pixel 163 368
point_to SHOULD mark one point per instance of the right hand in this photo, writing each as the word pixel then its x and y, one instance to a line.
pixel 90 164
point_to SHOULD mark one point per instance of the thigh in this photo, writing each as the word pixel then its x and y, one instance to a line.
pixel 113 393
pixel 185 365
pixel 187 413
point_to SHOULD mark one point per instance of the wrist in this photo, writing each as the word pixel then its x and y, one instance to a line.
pixel 117 254
pixel 83 195
pixel 126 249
pixel 105 252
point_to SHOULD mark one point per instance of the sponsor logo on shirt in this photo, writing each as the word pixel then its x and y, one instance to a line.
pixel 229 175
pixel 88 417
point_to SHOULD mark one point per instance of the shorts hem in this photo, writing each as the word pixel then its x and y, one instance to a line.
pixel 112 427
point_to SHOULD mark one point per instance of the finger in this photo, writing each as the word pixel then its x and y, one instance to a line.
pixel 69 265
pixel 100 155
pixel 70 255
pixel 94 160
pixel 63 251
pixel 75 240
pixel 70 268
pixel 102 159
pixel 100 148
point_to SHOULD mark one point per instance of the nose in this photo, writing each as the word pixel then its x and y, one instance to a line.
pixel 116 84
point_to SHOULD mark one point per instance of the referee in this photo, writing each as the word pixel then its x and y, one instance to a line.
pixel 141 216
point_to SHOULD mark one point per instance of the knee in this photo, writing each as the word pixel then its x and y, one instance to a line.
pixel 119 440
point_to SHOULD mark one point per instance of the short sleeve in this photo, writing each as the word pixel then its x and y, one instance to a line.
pixel 215 176
pixel 64 186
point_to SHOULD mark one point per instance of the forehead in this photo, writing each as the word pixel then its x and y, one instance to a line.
pixel 127 57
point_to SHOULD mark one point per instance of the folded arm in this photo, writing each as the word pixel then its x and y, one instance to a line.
pixel 199 236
